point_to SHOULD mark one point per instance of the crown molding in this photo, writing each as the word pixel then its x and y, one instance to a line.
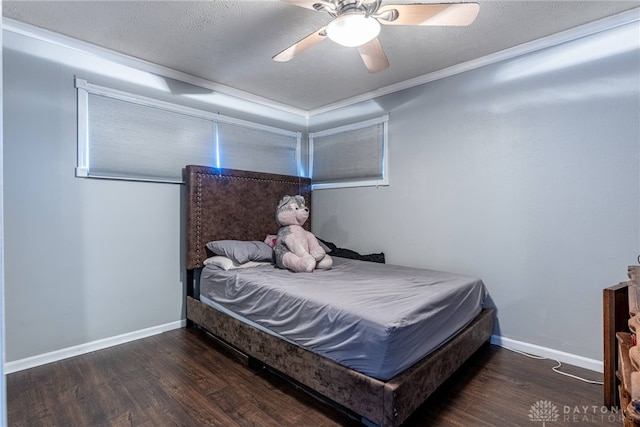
pixel 595 27
pixel 57 39
pixel 614 21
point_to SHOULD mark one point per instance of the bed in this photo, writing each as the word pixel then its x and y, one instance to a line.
pixel 223 204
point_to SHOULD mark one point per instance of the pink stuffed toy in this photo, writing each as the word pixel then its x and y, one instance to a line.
pixel 296 248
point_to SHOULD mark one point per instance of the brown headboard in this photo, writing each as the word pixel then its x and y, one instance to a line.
pixel 227 204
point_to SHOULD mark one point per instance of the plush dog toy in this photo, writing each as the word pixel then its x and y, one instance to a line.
pixel 296 248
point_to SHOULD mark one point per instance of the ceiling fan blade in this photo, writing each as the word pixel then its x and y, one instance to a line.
pixel 302 45
pixel 373 56
pixel 458 14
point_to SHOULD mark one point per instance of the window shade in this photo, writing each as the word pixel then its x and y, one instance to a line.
pixel 350 154
pixel 126 136
pixel 128 140
pixel 244 148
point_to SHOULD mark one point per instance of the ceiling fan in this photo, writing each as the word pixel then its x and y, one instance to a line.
pixel 356 23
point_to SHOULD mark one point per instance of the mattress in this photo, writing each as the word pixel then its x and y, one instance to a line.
pixel 377 319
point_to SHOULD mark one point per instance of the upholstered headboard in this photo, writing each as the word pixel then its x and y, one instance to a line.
pixel 231 204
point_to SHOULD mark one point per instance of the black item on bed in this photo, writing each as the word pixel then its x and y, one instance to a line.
pixel 348 253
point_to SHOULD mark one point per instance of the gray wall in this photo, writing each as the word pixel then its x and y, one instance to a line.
pixel 86 259
pixel 524 173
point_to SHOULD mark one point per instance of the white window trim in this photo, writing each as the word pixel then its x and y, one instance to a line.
pixel 85 88
pixel 384 120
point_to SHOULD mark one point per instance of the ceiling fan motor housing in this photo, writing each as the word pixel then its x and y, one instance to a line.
pixel 341 7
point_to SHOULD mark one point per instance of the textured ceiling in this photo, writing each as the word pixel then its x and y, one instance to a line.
pixel 232 42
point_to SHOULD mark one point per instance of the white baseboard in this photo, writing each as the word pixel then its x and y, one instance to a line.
pixel 54 356
pixel 561 356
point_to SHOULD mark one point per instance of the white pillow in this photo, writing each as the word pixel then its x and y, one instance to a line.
pixel 228 264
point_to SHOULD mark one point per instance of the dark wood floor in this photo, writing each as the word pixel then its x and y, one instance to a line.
pixel 185 378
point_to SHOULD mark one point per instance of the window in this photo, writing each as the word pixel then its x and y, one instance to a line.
pixel 125 136
pixel 350 156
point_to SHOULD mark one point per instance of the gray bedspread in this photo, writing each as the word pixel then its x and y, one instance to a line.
pixel 377 319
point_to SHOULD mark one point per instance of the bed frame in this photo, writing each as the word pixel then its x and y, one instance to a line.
pixel 240 205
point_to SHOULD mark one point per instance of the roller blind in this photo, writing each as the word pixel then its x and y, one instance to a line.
pixel 128 140
pixel 125 136
pixel 279 152
pixel 352 155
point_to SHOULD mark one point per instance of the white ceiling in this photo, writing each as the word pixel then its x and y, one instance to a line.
pixel 231 42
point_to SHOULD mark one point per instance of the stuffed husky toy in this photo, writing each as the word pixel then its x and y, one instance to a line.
pixel 296 248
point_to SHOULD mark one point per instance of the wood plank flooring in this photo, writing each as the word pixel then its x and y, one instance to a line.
pixel 186 378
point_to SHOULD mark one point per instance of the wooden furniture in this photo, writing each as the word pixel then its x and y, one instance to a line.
pixel 240 205
pixel 621 312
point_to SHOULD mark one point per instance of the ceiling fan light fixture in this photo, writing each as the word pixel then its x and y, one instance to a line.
pixel 353 29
